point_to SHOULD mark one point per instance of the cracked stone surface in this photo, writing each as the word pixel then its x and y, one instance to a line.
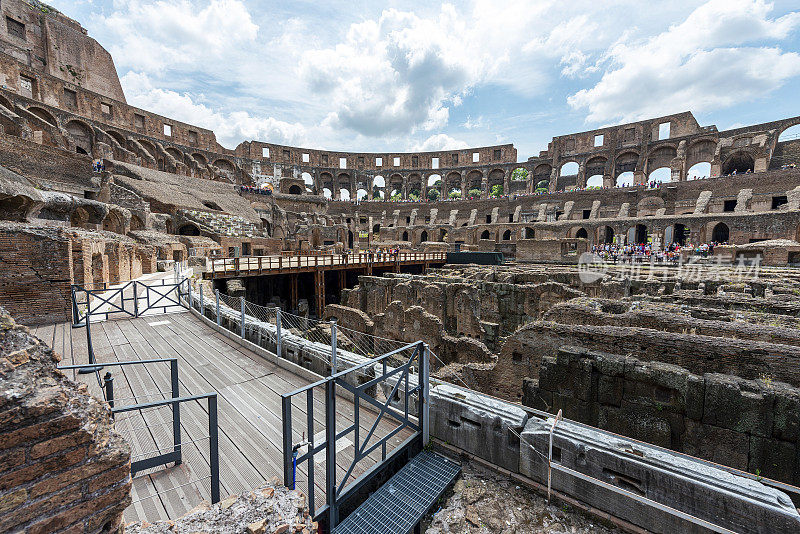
pixel 483 502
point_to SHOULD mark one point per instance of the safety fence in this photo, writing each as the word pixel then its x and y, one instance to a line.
pixel 289 334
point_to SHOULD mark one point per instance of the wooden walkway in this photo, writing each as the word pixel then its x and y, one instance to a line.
pixel 249 389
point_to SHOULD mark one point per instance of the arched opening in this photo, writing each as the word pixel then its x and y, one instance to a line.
pixel 344 194
pixel 607 235
pixel 43 114
pixel 434 180
pixel 659 176
pixel 790 134
pixel 454 192
pixel 680 234
pixel 699 171
pixel 136 223
pixel 378 185
pixel 507 235
pixel 79 218
pixel 361 194
pixel 349 239
pixel 720 234
pixel 738 163
pixel 396 194
pixel 189 229
pixel 529 232
pixel 81 135
pixel 520 174
pixel 114 223
pixel 198 157
pixel 405 236
pixel 225 167
pixel 640 234
pixel 595 182
pixel 295 190
pixel 376 229
pixel 423 236
pixel 308 179
pixel 485 234
pixel 582 234
pixel 442 234
pixel 327 193
pixel 625 179
pixel 569 169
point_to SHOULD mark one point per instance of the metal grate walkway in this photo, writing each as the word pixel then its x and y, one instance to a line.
pixel 403 501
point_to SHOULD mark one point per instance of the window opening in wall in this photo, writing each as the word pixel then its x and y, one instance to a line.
pixel 168 130
pixel 265 152
pixel 306 158
pixel 729 205
pixel 434 163
pixel 497 154
pixel 779 201
pixel 396 162
pixel 663 130
pixel 415 161
pixel 510 217
pixel 70 98
pixel 360 161
pixel 489 218
pixel 476 157
pixel 324 159
pixel 454 159
pixel 587 214
pixel 15 28
pixel 105 109
pixel 408 220
pixel 598 140
pixel 342 163
pixel 192 137
pixel 26 86
pixel 378 162
pixel 287 155
pixel 138 121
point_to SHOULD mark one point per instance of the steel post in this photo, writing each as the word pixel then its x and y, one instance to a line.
pixel 219 320
pixel 330 453
pixel 278 332
pixel 333 346
pixel 108 384
pixel 424 381
pixel 202 309
pixel 242 301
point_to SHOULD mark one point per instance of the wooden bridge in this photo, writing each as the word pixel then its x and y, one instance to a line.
pixel 319 264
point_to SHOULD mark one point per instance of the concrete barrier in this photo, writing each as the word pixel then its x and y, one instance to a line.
pixel 736 503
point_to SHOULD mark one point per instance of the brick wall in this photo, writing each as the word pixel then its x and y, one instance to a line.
pixel 62 467
pixel 36 264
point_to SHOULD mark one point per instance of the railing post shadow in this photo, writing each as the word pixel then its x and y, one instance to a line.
pixel 136 299
pixel 213 433
pixel 202 307
pixel 278 331
pixel 176 411
pixel 424 398
pixel 219 320
pixel 286 413
pixel 242 302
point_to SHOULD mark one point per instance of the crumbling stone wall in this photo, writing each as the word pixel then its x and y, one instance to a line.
pixel 751 425
pixel 62 466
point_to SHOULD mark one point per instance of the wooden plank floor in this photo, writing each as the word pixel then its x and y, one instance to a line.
pixel 249 403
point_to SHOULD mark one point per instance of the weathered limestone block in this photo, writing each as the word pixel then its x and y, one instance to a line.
pixel 737 404
pixel 737 503
pixel 483 426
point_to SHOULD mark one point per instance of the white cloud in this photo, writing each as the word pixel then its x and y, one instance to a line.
pixel 230 128
pixel 170 33
pixel 438 142
pixel 706 62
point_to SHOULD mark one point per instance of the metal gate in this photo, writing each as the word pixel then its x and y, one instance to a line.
pixel 129 299
pixel 393 371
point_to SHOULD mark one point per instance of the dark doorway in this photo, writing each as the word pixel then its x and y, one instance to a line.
pixel 721 233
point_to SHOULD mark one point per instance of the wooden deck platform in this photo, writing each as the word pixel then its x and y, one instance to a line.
pixel 249 389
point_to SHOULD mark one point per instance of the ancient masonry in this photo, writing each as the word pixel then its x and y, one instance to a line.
pixel 696 352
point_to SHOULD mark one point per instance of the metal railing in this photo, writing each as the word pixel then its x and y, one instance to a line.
pixel 128 299
pixel 174 455
pixel 312 261
pixel 337 490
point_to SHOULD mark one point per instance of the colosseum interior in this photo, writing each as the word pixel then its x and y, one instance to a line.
pixel 661 315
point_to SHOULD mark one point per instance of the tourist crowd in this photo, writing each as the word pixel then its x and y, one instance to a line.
pixel 646 252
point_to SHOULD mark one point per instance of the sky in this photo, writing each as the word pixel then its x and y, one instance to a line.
pixel 407 76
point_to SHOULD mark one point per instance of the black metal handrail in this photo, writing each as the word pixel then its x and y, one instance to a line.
pixel 130 299
pixel 176 454
pixel 338 492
